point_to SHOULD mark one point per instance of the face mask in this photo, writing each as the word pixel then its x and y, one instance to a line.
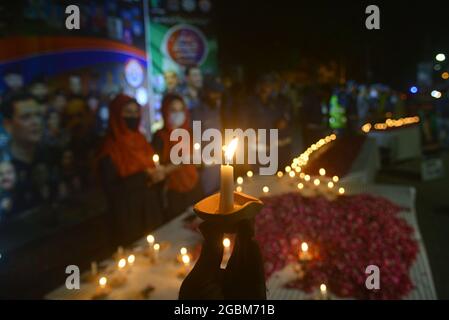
pixel 132 123
pixel 177 119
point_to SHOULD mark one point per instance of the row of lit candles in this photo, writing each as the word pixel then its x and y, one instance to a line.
pixel 390 123
pixel 185 258
pixel 302 175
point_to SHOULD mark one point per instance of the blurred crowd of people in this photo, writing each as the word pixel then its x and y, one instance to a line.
pixel 55 144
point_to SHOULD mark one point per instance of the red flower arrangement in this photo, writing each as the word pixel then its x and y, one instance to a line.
pixel 345 236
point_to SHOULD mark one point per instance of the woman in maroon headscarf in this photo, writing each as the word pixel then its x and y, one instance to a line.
pixel 128 174
pixel 182 181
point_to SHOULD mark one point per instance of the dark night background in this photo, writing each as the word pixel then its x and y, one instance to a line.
pixel 272 35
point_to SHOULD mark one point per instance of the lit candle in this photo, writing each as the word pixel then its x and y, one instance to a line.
pixel 183 251
pixel 239 180
pixel 227 179
pixel 186 260
pixel 239 189
pixel 335 179
pixel 156 159
pixel 280 174
pixel 341 190
pixel 121 264
pixel 226 245
pixel 330 184
pixel 150 240
pixel 316 182
pixel 265 189
pixel 249 174
pixel 131 259
pixel 307 177
pixel 156 249
pixel 322 172
pixel 291 174
pixel 94 268
pixel 102 282
pixel 323 290
pixel 304 254
pixel 300 186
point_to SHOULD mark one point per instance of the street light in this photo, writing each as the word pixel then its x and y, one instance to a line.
pixel 440 57
pixel 436 94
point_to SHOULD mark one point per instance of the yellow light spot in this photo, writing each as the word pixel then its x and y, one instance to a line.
pixel 239 180
pixel 183 251
pixel 316 182
pixel 226 242
pixel 322 172
pixel 239 189
pixel 341 190
pixel 330 184
pixel 265 189
pixel 249 173
pixel 300 186
pixel 280 174
pixel 307 177
pixel 288 169
pixel 291 174
pixel 335 179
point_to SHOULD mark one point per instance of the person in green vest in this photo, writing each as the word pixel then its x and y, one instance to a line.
pixel 337 114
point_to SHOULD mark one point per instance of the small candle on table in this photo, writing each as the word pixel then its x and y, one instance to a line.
pixel 304 254
pixel 227 179
pixel 186 262
pixel 156 159
pixel 323 290
pixel 131 259
pixel 150 240
pixel 102 282
pixel 121 264
pixel 156 249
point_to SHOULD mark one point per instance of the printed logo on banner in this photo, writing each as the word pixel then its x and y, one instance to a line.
pixel 185 45
pixel 134 73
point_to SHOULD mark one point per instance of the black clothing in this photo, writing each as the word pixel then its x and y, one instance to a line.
pixel 135 207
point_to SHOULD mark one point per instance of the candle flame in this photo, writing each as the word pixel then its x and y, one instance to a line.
pixel 156 158
pixel 122 263
pixel 226 242
pixel 304 247
pixel 183 251
pixel 103 281
pixel 186 259
pixel 323 288
pixel 131 259
pixel 230 150
pixel 150 239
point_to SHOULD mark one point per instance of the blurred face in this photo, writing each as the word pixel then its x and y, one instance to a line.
pixel 26 125
pixel 7 176
pixel 171 80
pixel 195 78
pixel 177 115
pixel 39 90
pixel 131 115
